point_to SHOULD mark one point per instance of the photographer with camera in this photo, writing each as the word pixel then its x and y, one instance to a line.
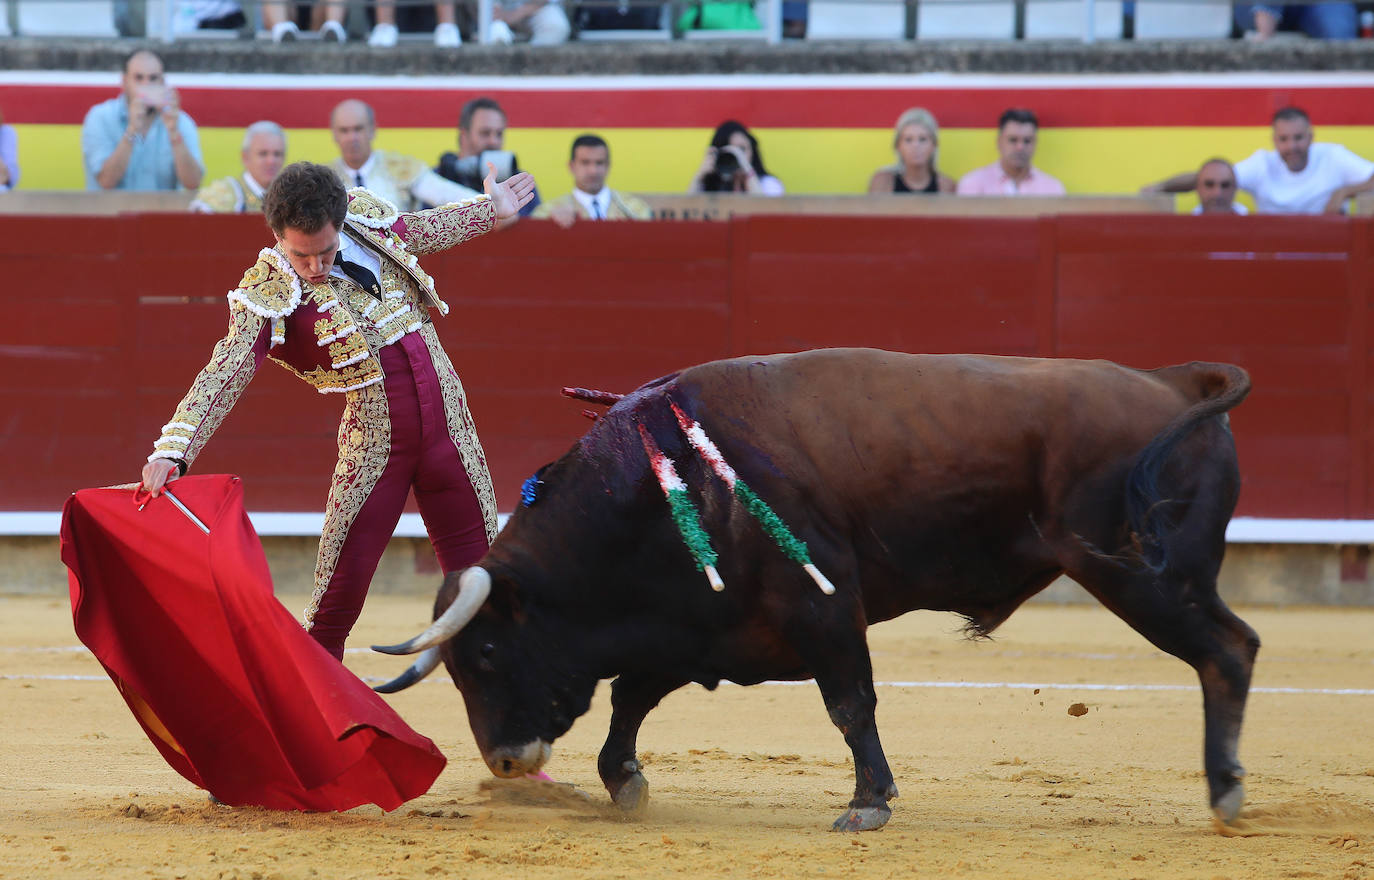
pixel 482 141
pixel 141 140
pixel 733 163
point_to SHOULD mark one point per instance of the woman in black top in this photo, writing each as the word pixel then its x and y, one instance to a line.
pixel 916 138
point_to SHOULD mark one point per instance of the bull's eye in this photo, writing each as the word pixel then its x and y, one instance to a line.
pixel 487 650
pixel 485 653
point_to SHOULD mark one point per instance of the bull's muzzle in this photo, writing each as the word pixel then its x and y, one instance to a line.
pixel 510 762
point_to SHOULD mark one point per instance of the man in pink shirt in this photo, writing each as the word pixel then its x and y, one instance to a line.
pixel 1013 174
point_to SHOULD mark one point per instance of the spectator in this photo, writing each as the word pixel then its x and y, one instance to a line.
pixel 263 154
pixel 541 22
pixel 1216 189
pixel 1012 174
pixel 196 15
pixel 591 198
pixel 719 15
pixel 734 163
pixel 482 139
pixel 624 16
pixel 794 19
pixel 916 138
pixel 130 18
pixel 9 156
pixel 141 140
pixel 404 181
pixel 385 33
pixel 1325 20
pixel 326 16
pixel 1297 176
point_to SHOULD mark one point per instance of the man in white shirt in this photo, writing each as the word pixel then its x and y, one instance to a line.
pixel 591 198
pixel 1297 176
pixel 404 181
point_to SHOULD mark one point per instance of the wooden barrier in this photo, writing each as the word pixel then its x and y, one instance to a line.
pixel 82 203
pixel 707 206
pixel 671 206
pixel 109 319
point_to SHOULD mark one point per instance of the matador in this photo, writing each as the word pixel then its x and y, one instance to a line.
pixel 342 302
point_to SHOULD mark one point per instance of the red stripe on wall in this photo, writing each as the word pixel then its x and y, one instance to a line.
pixel 704 108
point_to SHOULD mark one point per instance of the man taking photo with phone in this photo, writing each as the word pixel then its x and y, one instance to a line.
pixel 141 140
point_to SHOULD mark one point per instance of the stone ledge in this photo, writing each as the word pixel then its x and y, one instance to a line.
pixel 702 57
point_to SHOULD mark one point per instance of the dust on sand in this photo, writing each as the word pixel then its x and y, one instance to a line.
pixel 744 782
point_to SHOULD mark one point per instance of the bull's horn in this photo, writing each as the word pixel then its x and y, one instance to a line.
pixel 473 588
pixel 423 665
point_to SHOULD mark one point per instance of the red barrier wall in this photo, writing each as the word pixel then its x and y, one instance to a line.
pixel 109 319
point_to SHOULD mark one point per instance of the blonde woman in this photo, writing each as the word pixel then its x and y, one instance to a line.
pixel 916 138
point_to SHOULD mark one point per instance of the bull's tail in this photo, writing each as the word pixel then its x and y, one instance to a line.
pixel 1150 514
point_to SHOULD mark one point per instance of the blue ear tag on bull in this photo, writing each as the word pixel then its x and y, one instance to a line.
pixel 529 490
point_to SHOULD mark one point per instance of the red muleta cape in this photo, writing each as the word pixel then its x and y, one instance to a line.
pixel 233 692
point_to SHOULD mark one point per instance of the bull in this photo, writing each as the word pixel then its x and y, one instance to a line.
pixel 955 483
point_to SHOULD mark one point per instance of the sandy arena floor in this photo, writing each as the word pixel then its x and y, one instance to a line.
pixel 997 781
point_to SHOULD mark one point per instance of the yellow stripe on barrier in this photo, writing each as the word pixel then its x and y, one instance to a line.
pixel 807 160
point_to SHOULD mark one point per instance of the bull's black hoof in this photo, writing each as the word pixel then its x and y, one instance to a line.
pixel 862 819
pixel 1227 807
pixel 633 795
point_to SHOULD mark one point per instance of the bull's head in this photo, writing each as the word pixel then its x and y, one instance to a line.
pixel 519 686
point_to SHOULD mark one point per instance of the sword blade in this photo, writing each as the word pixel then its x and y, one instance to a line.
pixel 182 507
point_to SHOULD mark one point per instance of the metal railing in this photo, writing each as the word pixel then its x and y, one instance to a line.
pixel 159 16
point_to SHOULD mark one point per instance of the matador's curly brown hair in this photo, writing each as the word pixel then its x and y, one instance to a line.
pixel 305 196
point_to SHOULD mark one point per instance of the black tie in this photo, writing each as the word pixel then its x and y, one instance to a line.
pixel 361 275
pixel 596 210
pixel 358 176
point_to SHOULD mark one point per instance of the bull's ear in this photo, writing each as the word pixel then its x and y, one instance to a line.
pixel 506 599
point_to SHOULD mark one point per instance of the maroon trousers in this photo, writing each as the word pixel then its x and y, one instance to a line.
pixel 423 457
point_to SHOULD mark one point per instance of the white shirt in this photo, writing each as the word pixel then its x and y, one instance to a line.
pixel 602 200
pixel 356 253
pixel 1280 191
pixel 253 186
pixel 428 188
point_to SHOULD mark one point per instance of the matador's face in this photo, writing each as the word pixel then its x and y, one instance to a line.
pixel 311 253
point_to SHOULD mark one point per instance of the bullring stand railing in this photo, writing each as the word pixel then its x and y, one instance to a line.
pixel 1095 16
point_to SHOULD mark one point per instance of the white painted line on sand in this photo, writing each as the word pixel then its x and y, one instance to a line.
pixel 939 685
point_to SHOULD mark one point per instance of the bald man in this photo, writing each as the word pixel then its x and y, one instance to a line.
pixel 1298 176
pixel 1216 189
pixel 404 181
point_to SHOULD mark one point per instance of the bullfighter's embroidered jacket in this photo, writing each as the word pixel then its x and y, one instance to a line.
pixel 229 195
pixel 330 334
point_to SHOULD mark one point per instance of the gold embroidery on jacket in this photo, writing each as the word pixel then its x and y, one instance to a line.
pixel 387 243
pixel 441 228
pixel 371 209
pixel 266 288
